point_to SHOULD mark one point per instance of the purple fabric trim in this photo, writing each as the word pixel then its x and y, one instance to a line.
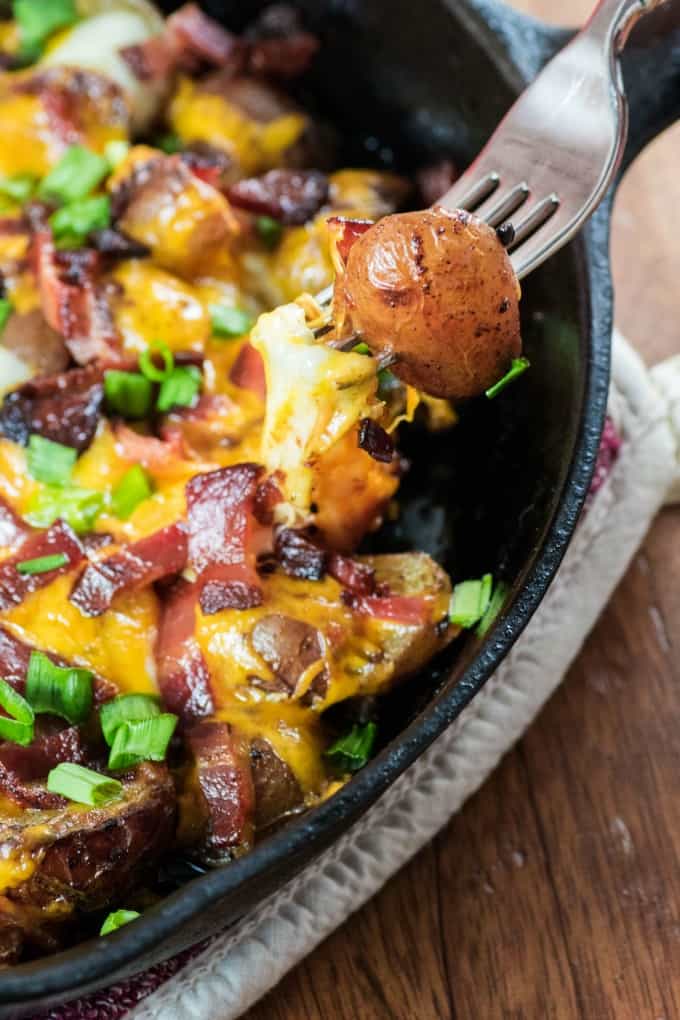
pixel 115 1002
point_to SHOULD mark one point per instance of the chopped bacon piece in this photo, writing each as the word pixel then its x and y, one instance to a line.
pixel 357 577
pixel 291 196
pixel 225 786
pixel 14 659
pixel 34 342
pixel 183 677
pixel 114 244
pixel 225 537
pixel 207 162
pixel 248 371
pixel 12 528
pixel 135 566
pixel 20 767
pixel 279 44
pixel 64 408
pixel 299 555
pixel 73 302
pixel 153 454
pixel 14 587
pixel 346 231
pixel 153 60
pixel 375 441
pixel 409 610
pixel 203 36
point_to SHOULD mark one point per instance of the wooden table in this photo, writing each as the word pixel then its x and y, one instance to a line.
pixel 555 893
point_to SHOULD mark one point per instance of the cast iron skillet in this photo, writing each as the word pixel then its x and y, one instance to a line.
pixel 406 82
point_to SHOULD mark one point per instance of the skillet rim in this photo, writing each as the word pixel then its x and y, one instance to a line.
pixel 93 963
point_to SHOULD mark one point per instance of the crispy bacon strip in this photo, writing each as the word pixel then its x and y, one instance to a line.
pixel 73 302
pixel 65 408
pixel 14 587
pixel 22 767
pixel 225 536
pixel 183 677
pixel 225 785
pixel 203 37
pixel 136 566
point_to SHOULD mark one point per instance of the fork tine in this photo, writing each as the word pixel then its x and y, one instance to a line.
pixel 534 218
pixel 500 206
pixel 471 190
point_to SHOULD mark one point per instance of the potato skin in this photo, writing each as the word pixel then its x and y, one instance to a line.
pixel 438 290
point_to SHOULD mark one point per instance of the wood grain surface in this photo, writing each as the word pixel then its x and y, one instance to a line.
pixel 555 893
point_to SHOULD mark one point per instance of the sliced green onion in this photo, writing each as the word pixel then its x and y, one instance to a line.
pixel 128 393
pixel 147 365
pixel 351 752
pixel 19 726
pixel 387 382
pixel 78 172
pixel 42 564
pixel 519 365
pixel 18 187
pixel 180 389
pixel 126 708
pixel 77 507
pixel 50 462
pixel 230 322
pixel 361 348
pixel 59 690
pixel 73 222
pixel 142 740
pixel 269 231
pixel 117 919
pixel 470 600
pixel 115 152
pixel 132 489
pixel 493 609
pixel 38 19
pixel 82 785
pixel 170 143
pixel 5 312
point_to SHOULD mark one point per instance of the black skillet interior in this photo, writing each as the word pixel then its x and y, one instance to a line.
pixel 403 83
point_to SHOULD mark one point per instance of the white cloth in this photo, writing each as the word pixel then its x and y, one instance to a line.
pixel 247 961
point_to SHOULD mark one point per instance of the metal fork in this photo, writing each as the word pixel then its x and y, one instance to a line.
pixel 551 159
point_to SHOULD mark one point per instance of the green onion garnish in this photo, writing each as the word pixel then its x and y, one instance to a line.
pixel 5 312
pixel 387 382
pixel 351 752
pixel 493 609
pixel 180 388
pixel 19 727
pixel 470 600
pixel 77 507
pixel 58 690
pixel 126 708
pixel 519 365
pixel 170 143
pixel 148 367
pixel 117 919
pixel 269 231
pixel 128 393
pixel 82 785
pixel 115 152
pixel 132 489
pixel 73 222
pixel 50 462
pixel 78 172
pixel 142 740
pixel 42 564
pixel 38 19
pixel 18 187
pixel 230 322
pixel 361 348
